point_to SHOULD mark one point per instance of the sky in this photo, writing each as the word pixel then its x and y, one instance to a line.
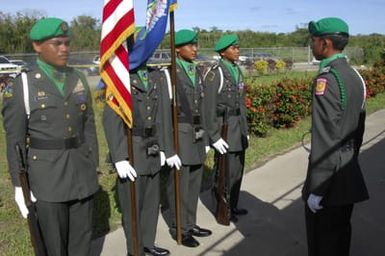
pixel 278 16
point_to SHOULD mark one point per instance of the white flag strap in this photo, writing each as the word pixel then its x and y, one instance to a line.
pixel 26 94
pixel 168 79
pixel 364 87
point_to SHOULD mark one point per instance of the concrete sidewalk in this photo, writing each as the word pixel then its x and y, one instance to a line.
pixel 275 223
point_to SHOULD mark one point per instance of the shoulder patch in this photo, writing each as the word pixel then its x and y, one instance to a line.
pixel 79 87
pixel 7 89
pixel 321 86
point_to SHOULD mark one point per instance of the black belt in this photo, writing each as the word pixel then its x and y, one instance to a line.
pixel 144 132
pixel 196 120
pixel 230 112
pixel 68 143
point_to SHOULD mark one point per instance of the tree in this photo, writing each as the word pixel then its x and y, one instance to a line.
pixel 14 31
pixel 85 32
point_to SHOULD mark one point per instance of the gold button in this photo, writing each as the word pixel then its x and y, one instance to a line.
pixel 149 118
pixel 68 116
pixel 148 107
pixel 66 103
pixel 69 128
pixel 34 157
pixel 42 105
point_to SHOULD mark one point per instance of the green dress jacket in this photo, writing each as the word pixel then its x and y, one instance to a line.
pixel 338 121
pixel 62 155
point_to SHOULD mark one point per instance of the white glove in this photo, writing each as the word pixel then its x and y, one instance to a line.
pixel 162 158
pixel 174 161
pixel 221 146
pixel 314 203
pixel 19 198
pixel 125 170
pixel 248 138
pixel 207 149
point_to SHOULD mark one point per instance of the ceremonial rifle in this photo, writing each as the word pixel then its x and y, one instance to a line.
pixel 33 223
pixel 222 212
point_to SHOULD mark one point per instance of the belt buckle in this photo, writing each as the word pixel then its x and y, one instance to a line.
pixel 196 119
pixel 147 131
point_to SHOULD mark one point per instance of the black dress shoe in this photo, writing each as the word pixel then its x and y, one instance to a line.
pixel 239 211
pixel 200 232
pixel 156 251
pixel 189 241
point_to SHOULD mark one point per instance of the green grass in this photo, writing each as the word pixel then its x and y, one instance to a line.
pixel 14 237
pixel 274 77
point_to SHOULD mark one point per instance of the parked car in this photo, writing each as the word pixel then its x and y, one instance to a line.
pixel 264 56
pixel 204 59
pixel 93 70
pixel 243 58
pixel 8 68
pixel 160 58
pixel 22 64
pixel 314 61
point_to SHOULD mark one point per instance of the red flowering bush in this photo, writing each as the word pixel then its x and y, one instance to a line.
pixel 375 81
pixel 258 104
pixel 291 101
pixel 282 104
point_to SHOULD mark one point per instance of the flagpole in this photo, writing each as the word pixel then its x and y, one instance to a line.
pixel 175 128
pixel 134 217
pixel 118 94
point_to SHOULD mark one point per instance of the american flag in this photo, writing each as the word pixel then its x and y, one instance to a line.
pixel 118 25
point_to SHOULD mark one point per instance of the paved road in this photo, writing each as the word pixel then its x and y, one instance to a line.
pixel 275 223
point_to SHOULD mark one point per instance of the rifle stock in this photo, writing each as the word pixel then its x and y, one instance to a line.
pixel 33 223
pixel 222 213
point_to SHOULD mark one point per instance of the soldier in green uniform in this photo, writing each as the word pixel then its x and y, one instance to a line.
pixel 152 144
pixel 192 142
pixel 224 92
pixel 49 114
pixel 334 180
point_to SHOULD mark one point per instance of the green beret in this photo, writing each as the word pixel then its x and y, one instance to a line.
pixel 47 28
pixel 328 26
pixel 226 41
pixel 185 36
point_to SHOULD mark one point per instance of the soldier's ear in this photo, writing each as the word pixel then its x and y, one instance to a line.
pixel 323 44
pixel 36 46
pixel 327 43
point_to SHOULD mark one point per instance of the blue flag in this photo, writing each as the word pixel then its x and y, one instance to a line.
pixel 149 37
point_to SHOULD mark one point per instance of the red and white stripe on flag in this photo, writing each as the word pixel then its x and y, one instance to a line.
pixel 118 24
